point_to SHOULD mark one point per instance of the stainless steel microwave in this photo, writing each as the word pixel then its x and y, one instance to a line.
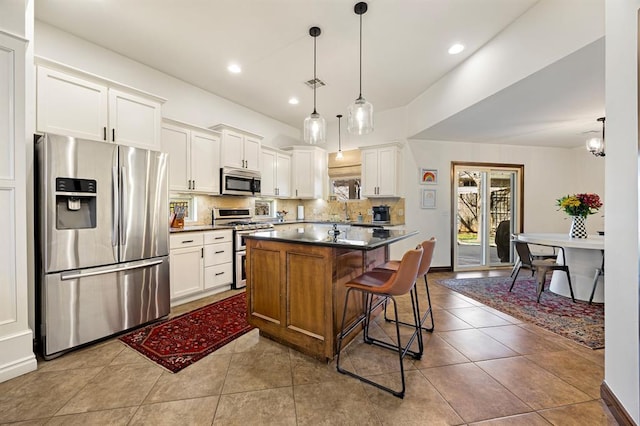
pixel 235 181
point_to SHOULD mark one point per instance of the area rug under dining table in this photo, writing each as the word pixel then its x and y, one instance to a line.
pixel 179 342
pixel 579 321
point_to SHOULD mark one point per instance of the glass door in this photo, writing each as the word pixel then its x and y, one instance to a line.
pixel 486 208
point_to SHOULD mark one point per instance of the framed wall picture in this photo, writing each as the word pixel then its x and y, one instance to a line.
pixel 428 199
pixel 428 176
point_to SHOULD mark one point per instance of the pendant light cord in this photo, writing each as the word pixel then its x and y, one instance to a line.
pixel 315 80
pixel 360 94
pixel 339 132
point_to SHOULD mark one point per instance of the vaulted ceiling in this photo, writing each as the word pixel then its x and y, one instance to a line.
pixel 404 43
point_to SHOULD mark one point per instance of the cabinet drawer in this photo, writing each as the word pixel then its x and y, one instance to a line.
pixel 215 254
pixel 216 237
pixel 218 275
pixel 185 239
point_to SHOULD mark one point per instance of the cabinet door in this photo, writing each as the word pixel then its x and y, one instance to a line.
pixel 134 120
pixel 175 142
pixel 369 173
pixel 205 171
pixel 186 271
pixel 268 174
pixel 283 175
pixel 304 174
pixel 252 153
pixel 231 149
pixel 70 106
pixel 387 178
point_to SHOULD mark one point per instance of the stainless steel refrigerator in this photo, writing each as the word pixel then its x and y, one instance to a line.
pixel 103 232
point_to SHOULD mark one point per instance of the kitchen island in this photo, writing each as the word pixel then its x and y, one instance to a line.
pixel 295 281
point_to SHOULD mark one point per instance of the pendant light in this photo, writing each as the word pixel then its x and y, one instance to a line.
pixel 596 145
pixel 339 154
pixel 314 125
pixel 360 113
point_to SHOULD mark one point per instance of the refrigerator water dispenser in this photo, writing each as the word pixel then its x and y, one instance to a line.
pixel 75 203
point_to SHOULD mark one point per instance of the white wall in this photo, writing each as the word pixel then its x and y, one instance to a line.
pixel 622 354
pixel 550 173
pixel 13 19
pixel 185 103
pixel 537 39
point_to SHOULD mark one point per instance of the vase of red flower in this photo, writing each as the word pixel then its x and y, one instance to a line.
pixel 579 206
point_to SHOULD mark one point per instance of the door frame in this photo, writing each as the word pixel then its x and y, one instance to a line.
pixel 518 227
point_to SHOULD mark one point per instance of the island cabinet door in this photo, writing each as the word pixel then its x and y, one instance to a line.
pixel 289 294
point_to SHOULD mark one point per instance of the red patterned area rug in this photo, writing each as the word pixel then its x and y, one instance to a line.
pixel 183 340
pixel 577 321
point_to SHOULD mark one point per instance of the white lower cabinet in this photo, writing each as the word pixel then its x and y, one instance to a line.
pixel 201 264
pixel 186 264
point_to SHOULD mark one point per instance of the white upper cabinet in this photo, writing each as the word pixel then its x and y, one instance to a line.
pixel 193 157
pixel 309 172
pixel 239 148
pixel 380 167
pixel 84 106
pixel 134 120
pixel 275 173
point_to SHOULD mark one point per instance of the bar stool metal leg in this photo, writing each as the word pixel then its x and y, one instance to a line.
pixel 401 350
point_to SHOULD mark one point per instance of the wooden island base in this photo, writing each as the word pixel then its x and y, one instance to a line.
pixel 295 292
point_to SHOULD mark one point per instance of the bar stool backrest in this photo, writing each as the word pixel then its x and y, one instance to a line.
pixel 428 246
pixel 402 281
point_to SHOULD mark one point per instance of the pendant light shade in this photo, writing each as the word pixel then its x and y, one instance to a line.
pixel 314 124
pixel 360 112
pixel 596 145
pixel 339 155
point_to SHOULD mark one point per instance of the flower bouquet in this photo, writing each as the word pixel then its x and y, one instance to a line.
pixel 580 204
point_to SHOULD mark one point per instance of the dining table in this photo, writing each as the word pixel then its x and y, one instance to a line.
pixel 583 256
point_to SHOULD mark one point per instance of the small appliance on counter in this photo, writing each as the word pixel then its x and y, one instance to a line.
pixel 381 214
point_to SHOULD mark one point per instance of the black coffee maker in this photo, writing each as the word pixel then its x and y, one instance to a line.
pixel 381 214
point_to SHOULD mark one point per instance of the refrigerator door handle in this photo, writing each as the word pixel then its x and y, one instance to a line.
pixel 115 196
pixel 125 214
pixel 126 267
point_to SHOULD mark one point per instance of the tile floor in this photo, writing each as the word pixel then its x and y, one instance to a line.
pixel 480 367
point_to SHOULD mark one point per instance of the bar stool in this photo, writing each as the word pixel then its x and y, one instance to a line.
pixel 385 285
pixel 428 246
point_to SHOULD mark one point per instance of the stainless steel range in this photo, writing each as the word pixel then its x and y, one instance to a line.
pixel 242 223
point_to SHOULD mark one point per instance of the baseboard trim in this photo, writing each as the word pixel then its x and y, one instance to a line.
pixel 441 269
pixel 613 404
pixel 16 355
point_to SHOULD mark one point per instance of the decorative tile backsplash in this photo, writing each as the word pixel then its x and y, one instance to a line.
pixel 314 210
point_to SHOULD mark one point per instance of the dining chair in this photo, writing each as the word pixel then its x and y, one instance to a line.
pixel 535 256
pixel 383 286
pixel 539 267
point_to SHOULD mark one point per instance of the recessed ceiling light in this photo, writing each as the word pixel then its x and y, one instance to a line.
pixel 234 68
pixel 294 101
pixel 455 49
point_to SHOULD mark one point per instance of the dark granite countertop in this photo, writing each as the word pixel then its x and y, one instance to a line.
pixel 362 238
pixel 193 228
